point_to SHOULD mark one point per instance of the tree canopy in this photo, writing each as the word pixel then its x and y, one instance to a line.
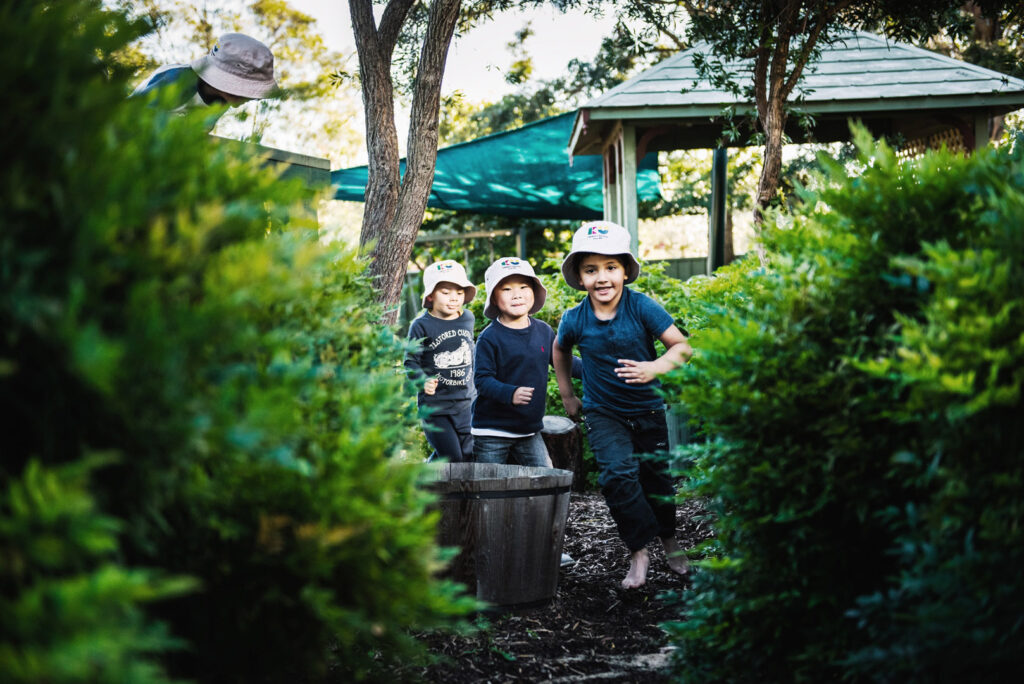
pixel 779 38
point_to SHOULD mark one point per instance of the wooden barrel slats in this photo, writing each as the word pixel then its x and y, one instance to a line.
pixel 509 522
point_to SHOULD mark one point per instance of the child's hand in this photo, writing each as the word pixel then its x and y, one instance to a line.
pixel 430 386
pixel 636 372
pixel 522 396
pixel 573 406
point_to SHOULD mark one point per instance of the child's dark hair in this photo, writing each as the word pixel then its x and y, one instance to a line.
pixel 580 256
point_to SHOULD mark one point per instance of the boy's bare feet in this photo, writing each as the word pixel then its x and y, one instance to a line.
pixel 637 575
pixel 676 558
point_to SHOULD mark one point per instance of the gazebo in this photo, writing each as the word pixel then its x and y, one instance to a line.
pixel 892 88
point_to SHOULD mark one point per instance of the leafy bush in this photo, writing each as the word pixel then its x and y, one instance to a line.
pixel 166 299
pixel 68 612
pixel 862 404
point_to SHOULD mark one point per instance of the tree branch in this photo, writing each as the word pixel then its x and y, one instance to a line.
pixel 383 174
pixel 390 257
pixel 391 22
pixel 423 133
pixel 805 54
pixel 761 75
pixel 663 29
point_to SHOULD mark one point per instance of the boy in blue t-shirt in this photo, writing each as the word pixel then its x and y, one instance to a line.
pixel 614 329
pixel 513 355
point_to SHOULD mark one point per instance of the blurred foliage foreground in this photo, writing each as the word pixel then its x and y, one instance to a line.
pixel 864 453
pixel 199 408
pixel 198 403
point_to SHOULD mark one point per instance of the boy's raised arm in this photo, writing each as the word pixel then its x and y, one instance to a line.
pixel 562 361
pixel 677 351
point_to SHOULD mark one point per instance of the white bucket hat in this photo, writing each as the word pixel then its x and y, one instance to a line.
pixel 238 65
pixel 599 237
pixel 510 266
pixel 447 271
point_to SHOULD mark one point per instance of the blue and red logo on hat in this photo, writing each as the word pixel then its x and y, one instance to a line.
pixel 596 231
pixel 445 266
pixel 509 262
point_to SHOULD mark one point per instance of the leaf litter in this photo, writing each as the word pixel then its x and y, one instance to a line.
pixel 592 630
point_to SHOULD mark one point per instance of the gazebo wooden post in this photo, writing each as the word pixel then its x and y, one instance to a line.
pixel 610 154
pixel 981 124
pixel 620 194
pixel 716 210
pixel 520 243
pixel 628 216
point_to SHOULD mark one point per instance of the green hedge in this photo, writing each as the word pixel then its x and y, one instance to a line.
pixel 864 456
pixel 166 300
pixel 68 611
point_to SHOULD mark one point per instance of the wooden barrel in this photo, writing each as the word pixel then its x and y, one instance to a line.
pixel 564 441
pixel 509 522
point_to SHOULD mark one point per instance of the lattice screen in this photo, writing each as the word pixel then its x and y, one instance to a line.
pixel 952 138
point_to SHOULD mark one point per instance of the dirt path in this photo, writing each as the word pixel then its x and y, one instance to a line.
pixel 591 631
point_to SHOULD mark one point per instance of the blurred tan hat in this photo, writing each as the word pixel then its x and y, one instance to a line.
pixel 238 65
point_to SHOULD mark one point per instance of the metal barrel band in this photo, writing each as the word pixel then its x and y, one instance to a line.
pixel 504 494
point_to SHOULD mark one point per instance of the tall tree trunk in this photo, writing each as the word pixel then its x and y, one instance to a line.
pixel 774 82
pixel 770 93
pixel 394 205
pixel 375 49
pixel 391 254
pixel 986 31
pixel 768 184
pixel 730 250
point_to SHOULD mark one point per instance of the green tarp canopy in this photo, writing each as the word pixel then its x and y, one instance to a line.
pixel 523 172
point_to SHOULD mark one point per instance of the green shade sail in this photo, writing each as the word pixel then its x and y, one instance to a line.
pixel 523 172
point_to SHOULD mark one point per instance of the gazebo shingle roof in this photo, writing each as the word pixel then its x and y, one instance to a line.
pixel 859 74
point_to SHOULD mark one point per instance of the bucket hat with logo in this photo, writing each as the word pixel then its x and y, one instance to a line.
pixel 599 237
pixel 510 266
pixel 446 271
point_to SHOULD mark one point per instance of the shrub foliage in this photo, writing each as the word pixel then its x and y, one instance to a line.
pixel 165 300
pixel 861 400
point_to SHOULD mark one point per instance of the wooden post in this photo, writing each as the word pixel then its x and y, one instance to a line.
pixel 981 130
pixel 716 212
pixel 629 208
pixel 611 192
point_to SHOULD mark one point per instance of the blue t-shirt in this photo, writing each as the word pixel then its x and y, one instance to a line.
pixel 187 96
pixel 639 320
pixel 180 75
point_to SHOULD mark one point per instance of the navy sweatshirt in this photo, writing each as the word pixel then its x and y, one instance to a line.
pixel 507 358
pixel 447 352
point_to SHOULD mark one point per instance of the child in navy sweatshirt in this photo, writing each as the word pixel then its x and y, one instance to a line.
pixel 444 362
pixel 513 355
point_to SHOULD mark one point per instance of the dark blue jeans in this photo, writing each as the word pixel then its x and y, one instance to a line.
pixel 450 435
pixel 524 451
pixel 638 489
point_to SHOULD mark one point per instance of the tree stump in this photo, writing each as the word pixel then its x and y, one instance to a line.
pixel 564 441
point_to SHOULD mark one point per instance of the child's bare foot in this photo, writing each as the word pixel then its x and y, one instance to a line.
pixel 676 558
pixel 637 575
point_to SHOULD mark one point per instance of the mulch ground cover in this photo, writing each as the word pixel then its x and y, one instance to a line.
pixel 592 630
